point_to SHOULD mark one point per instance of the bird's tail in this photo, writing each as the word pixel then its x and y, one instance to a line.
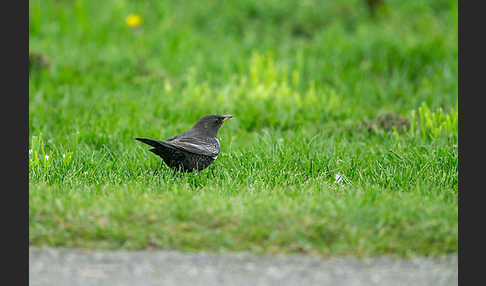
pixel 151 142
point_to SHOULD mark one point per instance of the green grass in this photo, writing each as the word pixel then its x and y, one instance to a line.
pixel 307 164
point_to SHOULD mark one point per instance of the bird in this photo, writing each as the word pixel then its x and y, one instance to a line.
pixel 193 150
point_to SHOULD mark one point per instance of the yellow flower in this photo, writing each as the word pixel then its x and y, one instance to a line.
pixel 133 20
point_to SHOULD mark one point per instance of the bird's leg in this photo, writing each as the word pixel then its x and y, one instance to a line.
pixel 197 166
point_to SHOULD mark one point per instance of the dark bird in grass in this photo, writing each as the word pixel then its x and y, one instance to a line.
pixel 193 150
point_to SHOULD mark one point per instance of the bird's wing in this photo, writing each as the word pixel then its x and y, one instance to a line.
pixel 196 145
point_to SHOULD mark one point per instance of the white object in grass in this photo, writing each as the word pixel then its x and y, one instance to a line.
pixel 338 179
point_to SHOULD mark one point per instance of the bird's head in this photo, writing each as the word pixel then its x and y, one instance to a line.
pixel 209 125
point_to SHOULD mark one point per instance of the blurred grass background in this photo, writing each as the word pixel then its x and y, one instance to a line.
pixel 322 91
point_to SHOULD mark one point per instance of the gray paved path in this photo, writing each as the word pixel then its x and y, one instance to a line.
pixel 49 266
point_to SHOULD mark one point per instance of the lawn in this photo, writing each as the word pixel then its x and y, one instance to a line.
pixel 344 140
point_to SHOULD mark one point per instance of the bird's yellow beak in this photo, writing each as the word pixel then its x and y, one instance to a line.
pixel 226 117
